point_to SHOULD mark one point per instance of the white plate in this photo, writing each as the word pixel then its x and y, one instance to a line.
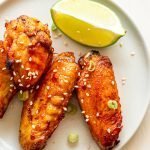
pixel 134 95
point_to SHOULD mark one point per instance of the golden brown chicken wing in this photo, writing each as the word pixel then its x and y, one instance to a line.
pixel 7 88
pixel 45 108
pixel 99 100
pixel 28 43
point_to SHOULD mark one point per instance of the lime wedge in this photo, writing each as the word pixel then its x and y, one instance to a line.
pixel 87 22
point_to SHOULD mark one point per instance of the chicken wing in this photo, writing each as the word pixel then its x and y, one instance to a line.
pixel 45 108
pixel 96 89
pixel 28 43
pixel 7 88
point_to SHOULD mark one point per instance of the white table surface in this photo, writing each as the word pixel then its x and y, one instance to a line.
pixel 139 12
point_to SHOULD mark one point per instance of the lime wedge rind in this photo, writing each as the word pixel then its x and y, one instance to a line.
pixel 70 23
pixel 87 44
pixel 91 20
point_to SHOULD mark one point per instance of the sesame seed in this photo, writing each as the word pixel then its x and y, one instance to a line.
pixel 18 61
pixel 33 126
pixel 89 86
pixel 65 93
pixel 33 73
pixel 22 77
pixel 27 69
pixel 49 96
pixel 82 100
pixel 20 84
pixel 29 73
pixel 97 114
pixel 84 80
pixel 63 68
pixel 37 87
pixel 108 130
pixel 66 81
pixel 48 87
pixel 76 86
pixel 11 85
pixel 123 82
pixel 34 77
pixel 83 112
pixel 27 78
pixel 21 91
pixel 87 94
pixel 64 108
pixel 10 90
pixel 30 44
pixel 124 79
pixel 31 90
pixel 28 85
pixel 31 103
pixel 37 112
pixel 36 72
pixel 86 116
pixel 84 83
pixel 5 35
pixel 22 66
pixel 2 50
pixel 21 42
pixel 15 88
pixel 11 78
pixel 14 73
pixel 113 82
pixel 30 59
pixel 3 69
pixel 55 70
pixel 79 74
pixel 132 53
pixel 87 75
pixel 87 120
pixel 62 98
pixel 19 80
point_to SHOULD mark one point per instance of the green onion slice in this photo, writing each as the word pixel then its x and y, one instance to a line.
pixel 112 104
pixel 23 96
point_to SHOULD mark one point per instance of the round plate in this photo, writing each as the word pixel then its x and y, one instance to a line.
pixel 134 94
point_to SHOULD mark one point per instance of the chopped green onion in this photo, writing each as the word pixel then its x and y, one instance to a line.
pixel 91 67
pixel 112 104
pixel 72 109
pixel 73 138
pixel 23 96
pixel 53 27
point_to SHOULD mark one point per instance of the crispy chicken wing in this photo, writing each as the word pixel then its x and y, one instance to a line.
pixel 97 87
pixel 7 88
pixel 28 43
pixel 45 108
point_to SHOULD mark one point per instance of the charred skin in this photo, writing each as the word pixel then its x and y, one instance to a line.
pixel 44 110
pixel 28 43
pixel 7 88
pixel 96 87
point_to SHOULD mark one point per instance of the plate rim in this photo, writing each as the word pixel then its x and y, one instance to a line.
pixel 147 52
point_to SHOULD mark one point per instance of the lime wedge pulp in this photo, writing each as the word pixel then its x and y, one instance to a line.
pixel 87 22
